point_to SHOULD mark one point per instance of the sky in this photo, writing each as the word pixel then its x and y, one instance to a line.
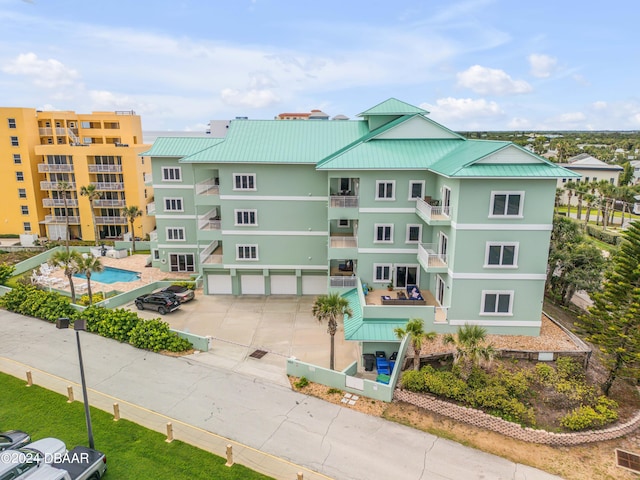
pixel 473 64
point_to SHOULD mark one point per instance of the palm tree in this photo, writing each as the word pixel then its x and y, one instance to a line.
pixel 88 265
pixel 90 191
pixel 131 213
pixel 590 199
pixel 329 307
pixel 69 261
pixel 471 349
pixel 414 329
pixel 580 191
pixel 65 187
pixel 569 187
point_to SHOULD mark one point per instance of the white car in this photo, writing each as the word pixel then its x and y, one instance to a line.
pixel 21 463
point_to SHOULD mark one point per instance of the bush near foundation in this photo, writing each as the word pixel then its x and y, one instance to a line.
pixel 31 301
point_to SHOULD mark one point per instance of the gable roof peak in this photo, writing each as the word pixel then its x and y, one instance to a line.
pixel 393 106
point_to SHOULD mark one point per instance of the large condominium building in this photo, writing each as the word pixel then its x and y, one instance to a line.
pixel 51 155
pixel 394 199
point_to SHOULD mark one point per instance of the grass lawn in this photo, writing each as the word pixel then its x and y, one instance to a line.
pixel 133 452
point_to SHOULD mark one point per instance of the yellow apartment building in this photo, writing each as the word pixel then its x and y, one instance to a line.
pixel 44 152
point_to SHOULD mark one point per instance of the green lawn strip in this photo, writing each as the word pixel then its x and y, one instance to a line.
pixel 133 452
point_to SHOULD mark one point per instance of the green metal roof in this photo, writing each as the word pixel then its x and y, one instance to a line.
pixel 393 106
pixel 358 329
pixel 179 146
pixel 281 141
pixel 538 170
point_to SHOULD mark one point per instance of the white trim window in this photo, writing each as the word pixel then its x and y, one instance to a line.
pixel 382 272
pixel 385 190
pixel 11 122
pixel 24 209
pixel 172 204
pixel 246 252
pixel 22 193
pixel 383 233
pixel 19 177
pixel 497 302
pixel 17 158
pixel 414 233
pixel 244 181
pixel 416 189
pixel 501 255
pixel 344 223
pixel 15 142
pixel 171 174
pixel 156 254
pixel 26 226
pixel 182 262
pixel 246 217
pixel 175 234
pixel 506 204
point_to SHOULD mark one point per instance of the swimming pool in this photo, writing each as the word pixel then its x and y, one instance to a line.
pixel 112 275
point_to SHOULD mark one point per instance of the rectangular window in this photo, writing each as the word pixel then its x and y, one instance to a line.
pixel 156 254
pixel 246 252
pixel 244 181
pixel 501 255
pixel 416 187
pixel 171 174
pixel 26 226
pixel 22 193
pixel 496 302
pixel 175 234
pixel 381 272
pixel 173 205
pixel 24 209
pixel 385 190
pixel 414 234
pixel 506 204
pixel 246 217
pixel 384 234
pixel 12 122
pixel 17 159
pixel 564 180
pixel 342 223
pixel 14 142
pixel 20 176
pixel 182 262
pixel 612 181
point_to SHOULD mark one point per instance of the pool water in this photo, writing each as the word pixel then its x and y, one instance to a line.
pixel 112 275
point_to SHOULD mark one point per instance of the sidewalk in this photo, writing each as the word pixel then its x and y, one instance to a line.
pixel 274 430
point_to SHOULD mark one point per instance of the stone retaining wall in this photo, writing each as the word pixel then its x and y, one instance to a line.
pixel 480 419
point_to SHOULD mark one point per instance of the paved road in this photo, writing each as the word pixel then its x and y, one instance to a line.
pixel 338 442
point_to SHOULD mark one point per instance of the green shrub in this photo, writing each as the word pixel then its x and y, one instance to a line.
pixel 6 271
pixel 611 238
pixel 155 335
pixel 446 384
pixel 333 391
pixel 97 297
pixel 116 324
pixel 29 300
pixel 586 416
pixel 303 382
pixel 414 380
pixel 189 285
pixel 546 374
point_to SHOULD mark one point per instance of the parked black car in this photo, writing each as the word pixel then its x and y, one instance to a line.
pixel 162 302
pixel 13 439
pixel 184 294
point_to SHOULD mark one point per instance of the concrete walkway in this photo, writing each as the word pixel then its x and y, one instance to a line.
pixel 282 431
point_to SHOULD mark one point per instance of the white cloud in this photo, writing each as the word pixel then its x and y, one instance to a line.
pixel 465 112
pixel 542 66
pixel 252 98
pixel 572 117
pixel 599 105
pixel 518 123
pixel 491 81
pixel 49 73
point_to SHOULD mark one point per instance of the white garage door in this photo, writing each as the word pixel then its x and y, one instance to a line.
pixel 284 285
pixel 314 285
pixel 219 284
pixel 252 284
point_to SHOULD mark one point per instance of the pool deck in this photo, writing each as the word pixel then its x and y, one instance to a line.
pixel 134 263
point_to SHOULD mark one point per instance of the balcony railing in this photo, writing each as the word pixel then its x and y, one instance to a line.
pixel 151 208
pixel 111 220
pixel 109 185
pixel 48 131
pixel 208 187
pixel 210 220
pixel 216 259
pixel 105 168
pixel 148 178
pixel 57 219
pixel 55 167
pixel 153 236
pixel 341 201
pixel 432 211
pixel 54 185
pixel 338 281
pixel 59 202
pixel 344 242
pixel 427 253
pixel 103 202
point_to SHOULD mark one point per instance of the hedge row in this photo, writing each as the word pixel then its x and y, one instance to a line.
pixel 119 324
pixel 604 235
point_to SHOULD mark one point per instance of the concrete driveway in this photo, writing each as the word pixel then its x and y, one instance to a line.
pixel 281 325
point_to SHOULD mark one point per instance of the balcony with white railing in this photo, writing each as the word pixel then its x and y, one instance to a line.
pixel 106 202
pixel 151 208
pixel 344 201
pixel 208 187
pixel 94 168
pixel 55 167
pixel 432 212
pixel 60 219
pixel 343 241
pixel 59 202
pixel 431 260
pixel 49 132
pixel 111 220
pixel 212 254
pixel 148 179
pixel 118 186
pixel 343 282
pixel 54 185
pixel 153 236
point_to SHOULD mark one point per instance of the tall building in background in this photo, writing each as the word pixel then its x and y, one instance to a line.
pixel 48 156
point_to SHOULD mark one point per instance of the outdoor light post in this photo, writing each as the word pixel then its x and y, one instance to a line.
pixel 77 326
